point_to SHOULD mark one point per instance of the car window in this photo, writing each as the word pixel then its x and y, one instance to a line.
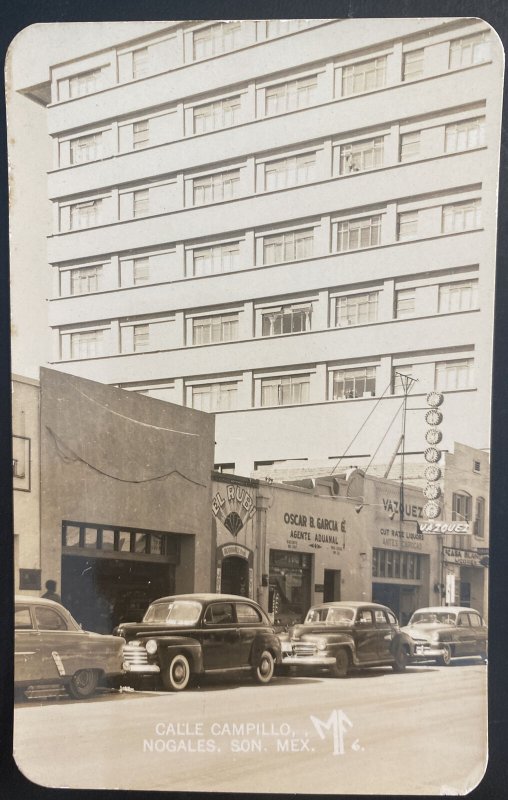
pixel 380 616
pixel 247 613
pixel 474 620
pixel 49 620
pixel 22 619
pixel 219 614
pixel 463 620
pixel 392 619
pixel 364 617
pixel 339 616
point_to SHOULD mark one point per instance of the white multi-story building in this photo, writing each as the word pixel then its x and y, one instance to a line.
pixel 270 220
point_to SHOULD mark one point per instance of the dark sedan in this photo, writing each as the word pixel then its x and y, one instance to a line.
pixel 187 635
pixel 342 635
pixel 52 650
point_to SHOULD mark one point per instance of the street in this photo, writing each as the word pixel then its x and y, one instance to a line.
pixel 420 732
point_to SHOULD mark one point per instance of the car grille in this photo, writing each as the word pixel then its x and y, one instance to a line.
pixel 304 649
pixel 134 654
pixel 422 643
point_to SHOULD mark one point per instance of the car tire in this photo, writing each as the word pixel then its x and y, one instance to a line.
pixel 341 667
pixel 176 676
pixel 445 659
pixel 401 659
pixel 263 671
pixel 83 684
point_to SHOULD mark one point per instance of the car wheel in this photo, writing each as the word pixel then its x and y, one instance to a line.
pixel 84 683
pixel 445 659
pixel 263 672
pixel 341 667
pixel 176 676
pixel 401 659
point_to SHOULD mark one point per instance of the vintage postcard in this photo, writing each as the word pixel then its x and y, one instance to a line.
pixel 252 301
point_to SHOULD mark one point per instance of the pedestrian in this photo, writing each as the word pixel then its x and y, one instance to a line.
pixel 51 593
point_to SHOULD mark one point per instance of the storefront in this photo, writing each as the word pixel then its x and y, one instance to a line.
pixel 465 576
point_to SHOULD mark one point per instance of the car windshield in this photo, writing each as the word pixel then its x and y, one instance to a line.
pixel 329 616
pixel 174 612
pixel 429 617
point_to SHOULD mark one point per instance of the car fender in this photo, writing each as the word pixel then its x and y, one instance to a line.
pixel 341 640
pixel 399 640
pixel 265 641
pixel 169 646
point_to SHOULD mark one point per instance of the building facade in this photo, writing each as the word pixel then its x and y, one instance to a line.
pixel 278 238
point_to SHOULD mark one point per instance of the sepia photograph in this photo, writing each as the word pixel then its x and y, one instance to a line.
pixel 252 285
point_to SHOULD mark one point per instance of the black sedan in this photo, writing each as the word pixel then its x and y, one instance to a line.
pixel 187 635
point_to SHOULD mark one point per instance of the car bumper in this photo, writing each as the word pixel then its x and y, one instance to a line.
pixel 425 653
pixel 308 661
pixel 144 668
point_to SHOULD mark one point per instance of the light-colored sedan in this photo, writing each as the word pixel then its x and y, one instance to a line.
pixel 52 650
pixel 445 632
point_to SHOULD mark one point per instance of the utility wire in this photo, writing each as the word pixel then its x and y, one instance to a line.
pixel 360 428
pixel 384 436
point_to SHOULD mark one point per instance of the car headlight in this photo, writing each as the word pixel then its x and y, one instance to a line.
pixel 151 647
pixel 321 645
pixel 286 647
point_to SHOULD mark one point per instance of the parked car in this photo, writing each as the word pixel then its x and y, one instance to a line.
pixel 445 632
pixel 340 636
pixel 192 634
pixel 52 649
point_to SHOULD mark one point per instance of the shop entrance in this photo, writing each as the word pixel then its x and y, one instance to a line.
pixel 289 586
pixel 331 588
pixel 235 576
pixel 402 600
pixel 102 592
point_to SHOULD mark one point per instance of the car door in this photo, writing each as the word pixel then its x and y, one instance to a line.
pixel 365 635
pixel 221 637
pixel 249 621
pixel 385 634
pixel 465 636
pixel 59 648
pixel 27 646
pixel 479 634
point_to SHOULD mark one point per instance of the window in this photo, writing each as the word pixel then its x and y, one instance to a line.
pixel 465 135
pixel 407 225
pixel 280 27
pixel 356 309
pixel 86 148
pixel 412 65
pixel 216 39
pixel 225 469
pixel 49 620
pixel 85 83
pixel 86 344
pixel 397 381
pixel 364 617
pixel 141 203
pixel 140 134
pixel 216 259
pixel 215 397
pixel 141 270
pixel 291 95
pixel 452 375
pixel 215 188
pixel 359 156
pixel 354 234
pixel 364 77
pixel 85 280
pixel 461 216
pixel 351 383
pixel 85 215
pixel 461 506
pixel 289 246
pixel 410 146
pixel 469 50
pixel 219 614
pixel 477 466
pixel 246 613
pixel 479 518
pixel 286 319
pixel 461 296
pixel 220 328
pixel 290 171
pixel 141 336
pixel 217 115
pixel 390 563
pixel 22 619
pixel 404 303
pixel 140 62
pixel 285 391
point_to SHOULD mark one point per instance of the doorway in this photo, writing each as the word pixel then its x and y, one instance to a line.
pixel 331 587
pixel 235 576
